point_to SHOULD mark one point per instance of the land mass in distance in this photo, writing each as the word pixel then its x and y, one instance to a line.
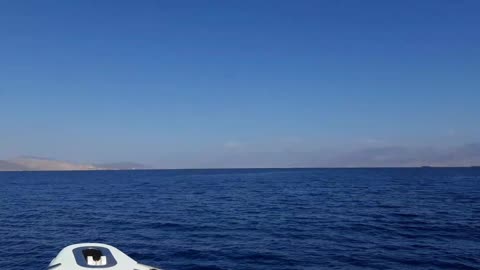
pixel 28 163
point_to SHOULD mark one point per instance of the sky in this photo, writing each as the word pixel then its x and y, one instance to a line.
pixel 197 84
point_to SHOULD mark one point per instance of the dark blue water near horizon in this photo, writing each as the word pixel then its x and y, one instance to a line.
pixel 424 218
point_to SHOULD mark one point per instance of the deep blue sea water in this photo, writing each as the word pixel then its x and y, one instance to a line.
pixel 421 218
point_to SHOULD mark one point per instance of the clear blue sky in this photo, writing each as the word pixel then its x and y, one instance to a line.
pixel 236 83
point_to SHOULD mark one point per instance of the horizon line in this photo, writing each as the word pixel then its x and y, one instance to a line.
pixel 257 168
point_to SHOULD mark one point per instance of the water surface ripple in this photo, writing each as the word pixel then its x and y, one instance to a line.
pixel 421 218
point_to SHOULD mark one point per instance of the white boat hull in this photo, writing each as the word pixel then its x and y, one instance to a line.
pixel 91 256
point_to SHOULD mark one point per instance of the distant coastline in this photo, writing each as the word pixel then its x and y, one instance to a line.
pixel 28 163
pixel 62 166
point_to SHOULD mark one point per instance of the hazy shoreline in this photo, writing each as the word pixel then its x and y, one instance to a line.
pixel 28 163
pixel 254 168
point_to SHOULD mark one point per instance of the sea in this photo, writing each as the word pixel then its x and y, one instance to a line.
pixel 409 218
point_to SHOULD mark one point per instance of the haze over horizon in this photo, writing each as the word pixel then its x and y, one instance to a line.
pixel 193 84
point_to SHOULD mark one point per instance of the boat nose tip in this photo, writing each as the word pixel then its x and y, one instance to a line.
pixel 95 256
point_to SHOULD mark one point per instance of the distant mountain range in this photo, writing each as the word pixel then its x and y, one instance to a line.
pixel 44 164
